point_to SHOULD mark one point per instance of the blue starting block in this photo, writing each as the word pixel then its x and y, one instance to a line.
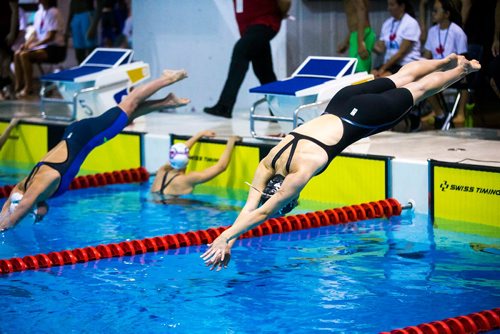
pixel 99 83
pixel 311 86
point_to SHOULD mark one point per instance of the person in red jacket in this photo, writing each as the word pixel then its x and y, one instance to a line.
pixel 258 22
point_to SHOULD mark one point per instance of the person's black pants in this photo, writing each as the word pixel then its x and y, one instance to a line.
pixel 254 46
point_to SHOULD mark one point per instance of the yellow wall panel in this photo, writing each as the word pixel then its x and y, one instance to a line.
pixel 464 195
pixel 348 180
pixel 121 152
pixel 243 163
pixel 27 143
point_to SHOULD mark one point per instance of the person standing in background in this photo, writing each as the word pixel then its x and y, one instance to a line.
pixel 361 38
pixel 112 15
pixel 258 22
pixel 478 18
pixel 82 24
pixel 495 47
pixel 9 27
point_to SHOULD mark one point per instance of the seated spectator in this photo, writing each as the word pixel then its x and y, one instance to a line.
pixel 8 83
pixel 399 38
pixel 21 33
pixel 444 38
pixel 46 44
pixel 172 179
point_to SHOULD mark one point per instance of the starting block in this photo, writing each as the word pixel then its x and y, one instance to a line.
pixel 310 88
pixel 98 84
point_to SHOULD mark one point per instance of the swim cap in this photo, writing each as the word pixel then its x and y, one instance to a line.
pixel 15 198
pixel 272 187
pixel 179 156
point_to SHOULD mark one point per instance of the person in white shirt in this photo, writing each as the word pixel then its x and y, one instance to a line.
pixel 45 44
pixel 399 38
pixel 444 38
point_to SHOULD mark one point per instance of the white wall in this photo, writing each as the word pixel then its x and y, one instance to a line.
pixel 197 35
pixel 410 180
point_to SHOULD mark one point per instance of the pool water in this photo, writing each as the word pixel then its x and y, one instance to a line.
pixel 363 277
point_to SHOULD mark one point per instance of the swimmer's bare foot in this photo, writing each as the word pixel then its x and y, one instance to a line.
pixel 450 62
pixel 469 66
pixel 172 76
pixel 172 101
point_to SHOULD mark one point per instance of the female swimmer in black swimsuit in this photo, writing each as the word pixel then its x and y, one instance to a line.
pixel 52 176
pixel 353 113
pixel 172 179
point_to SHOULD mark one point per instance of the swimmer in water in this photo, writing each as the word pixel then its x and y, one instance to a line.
pixel 52 176
pixel 354 112
pixel 172 179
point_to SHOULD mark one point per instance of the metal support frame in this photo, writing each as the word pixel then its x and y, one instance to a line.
pixel 452 112
pixel 294 119
pixel 74 101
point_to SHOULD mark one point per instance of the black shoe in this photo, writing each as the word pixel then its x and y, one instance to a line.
pixel 439 121
pixel 218 110
pixel 415 124
pixel 4 82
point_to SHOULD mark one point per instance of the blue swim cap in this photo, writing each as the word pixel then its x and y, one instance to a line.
pixel 272 187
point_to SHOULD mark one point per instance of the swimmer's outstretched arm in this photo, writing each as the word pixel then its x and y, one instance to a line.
pixel 8 220
pixel 205 133
pixel 220 247
pixel 5 135
pixel 209 173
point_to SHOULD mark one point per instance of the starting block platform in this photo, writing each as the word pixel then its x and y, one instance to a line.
pixel 98 84
pixel 304 95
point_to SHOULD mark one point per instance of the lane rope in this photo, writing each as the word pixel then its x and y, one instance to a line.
pixel 478 322
pixel 98 180
pixel 347 214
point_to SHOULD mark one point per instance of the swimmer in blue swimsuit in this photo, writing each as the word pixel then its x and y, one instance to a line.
pixel 52 176
pixel 354 112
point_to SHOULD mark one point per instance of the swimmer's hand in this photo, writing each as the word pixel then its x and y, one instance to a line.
pixel 218 254
pixel 5 222
pixel 208 133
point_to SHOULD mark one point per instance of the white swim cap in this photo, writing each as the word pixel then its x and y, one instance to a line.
pixel 15 198
pixel 179 156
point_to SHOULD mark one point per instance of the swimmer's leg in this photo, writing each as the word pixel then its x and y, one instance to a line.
pixel 132 101
pixel 170 101
pixel 415 70
pixel 438 81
